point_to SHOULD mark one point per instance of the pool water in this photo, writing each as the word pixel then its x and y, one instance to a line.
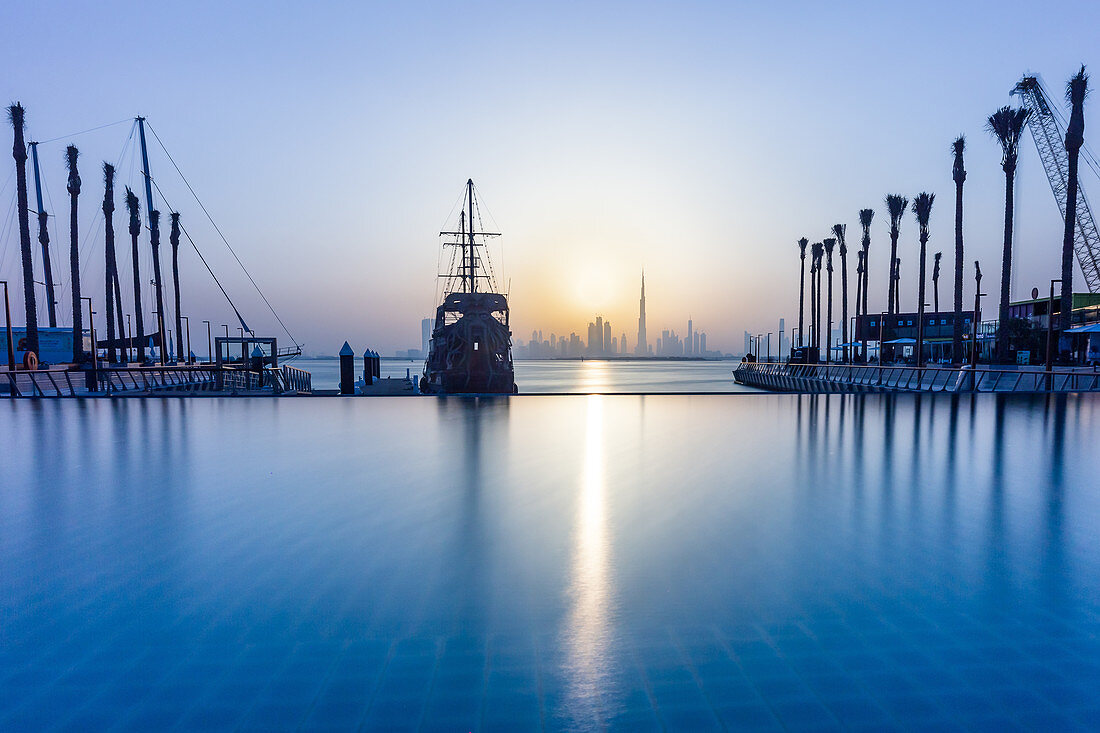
pixel 568 562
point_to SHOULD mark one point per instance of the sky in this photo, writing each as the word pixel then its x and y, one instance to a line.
pixel 330 140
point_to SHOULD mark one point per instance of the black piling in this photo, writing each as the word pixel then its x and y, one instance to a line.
pixel 368 367
pixel 347 369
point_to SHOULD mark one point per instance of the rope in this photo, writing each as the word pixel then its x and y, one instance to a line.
pixel 204 262
pixel 83 132
pixel 224 240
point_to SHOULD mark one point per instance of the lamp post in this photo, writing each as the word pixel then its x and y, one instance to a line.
pixel 95 352
pixel 1050 333
pixel 187 358
pixel 209 344
pixel 977 313
pixel 881 325
pixel 129 340
pixel 7 327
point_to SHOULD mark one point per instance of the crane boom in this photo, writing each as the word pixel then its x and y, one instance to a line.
pixel 1050 142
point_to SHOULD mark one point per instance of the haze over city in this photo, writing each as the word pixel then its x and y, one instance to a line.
pixel 330 142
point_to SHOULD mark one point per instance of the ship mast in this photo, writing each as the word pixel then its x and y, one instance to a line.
pixel 473 260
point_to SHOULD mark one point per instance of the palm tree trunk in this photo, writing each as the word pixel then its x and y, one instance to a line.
pixel 844 300
pixel 19 152
pixel 859 294
pixel 801 297
pixel 154 241
pixel 817 331
pixel 813 304
pixel 110 278
pixel 1006 270
pixel 174 240
pixel 74 256
pixel 957 326
pixel 892 298
pixel 920 301
pixel 829 313
pixel 139 324
pixel 863 347
pixel 1066 317
pixel 47 267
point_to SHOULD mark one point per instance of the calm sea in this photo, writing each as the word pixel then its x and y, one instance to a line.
pixel 581 562
pixel 572 377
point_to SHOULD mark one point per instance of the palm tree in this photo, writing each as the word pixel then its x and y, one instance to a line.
pixel 936 282
pixel 838 230
pixel 896 205
pixel 859 293
pixel 1007 125
pixel 897 285
pixel 818 250
pixel 922 209
pixel 73 187
pixel 829 244
pixel 801 285
pixel 174 240
pixel 154 241
pixel 19 152
pixel 111 268
pixel 958 173
pixel 1076 89
pixel 865 217
pixel 134 208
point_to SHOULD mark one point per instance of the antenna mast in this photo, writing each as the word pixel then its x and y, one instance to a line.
pixel 44 238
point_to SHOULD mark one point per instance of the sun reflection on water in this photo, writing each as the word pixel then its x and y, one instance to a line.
pixel 588 626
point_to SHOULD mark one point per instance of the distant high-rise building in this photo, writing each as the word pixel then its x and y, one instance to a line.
pixel 748 343
pixel 614 345
pixel 425 334
pixel 622 344
pixel 607 347
pixel 703 344
pixel 641 348
pixel 695 344
pixel 597 346
pixel 689 348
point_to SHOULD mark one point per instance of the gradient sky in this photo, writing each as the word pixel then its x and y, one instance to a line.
pixel 697 140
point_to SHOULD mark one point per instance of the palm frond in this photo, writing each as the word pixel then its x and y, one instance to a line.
pixel 15 114
pixel 865 216
pixel 1077 88
pixel 922 208
pixel 108 174
pixel 959 145
pixel 802 245
pixel 71 154
pixel 896 205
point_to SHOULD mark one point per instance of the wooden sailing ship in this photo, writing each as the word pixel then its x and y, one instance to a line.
pixel 470 351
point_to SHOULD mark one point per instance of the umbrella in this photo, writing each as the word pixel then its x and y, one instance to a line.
pixel 1091 328
pixel 901 341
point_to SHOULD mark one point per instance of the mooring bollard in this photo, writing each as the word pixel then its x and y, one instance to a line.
pixel 368 368
pixel 377 365
pixel 347 369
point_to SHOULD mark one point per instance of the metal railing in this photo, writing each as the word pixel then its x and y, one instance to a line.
pixel 872 378
pixel 134 380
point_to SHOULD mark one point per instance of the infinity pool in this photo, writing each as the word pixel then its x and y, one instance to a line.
pixel 679 562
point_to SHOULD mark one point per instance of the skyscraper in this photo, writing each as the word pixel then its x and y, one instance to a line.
pixel 607 346
pixel 425 334
pixel 689 347
pixel 642 347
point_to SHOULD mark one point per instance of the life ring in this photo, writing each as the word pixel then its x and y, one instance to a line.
pixel 30 361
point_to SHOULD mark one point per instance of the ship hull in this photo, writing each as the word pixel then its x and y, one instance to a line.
pixel 471 347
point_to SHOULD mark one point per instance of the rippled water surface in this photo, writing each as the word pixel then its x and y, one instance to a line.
pixel 687 562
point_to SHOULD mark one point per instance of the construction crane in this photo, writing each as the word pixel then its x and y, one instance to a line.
pixel 1049 137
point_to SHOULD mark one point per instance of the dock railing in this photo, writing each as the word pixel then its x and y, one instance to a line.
pixel 817 378
pixel 139 380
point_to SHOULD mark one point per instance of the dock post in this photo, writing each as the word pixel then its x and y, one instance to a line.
pixel 257 357
pixel 368 368
pixel 377 364
pixel 347 369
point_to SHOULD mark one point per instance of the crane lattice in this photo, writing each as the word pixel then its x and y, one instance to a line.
pixel 1050 142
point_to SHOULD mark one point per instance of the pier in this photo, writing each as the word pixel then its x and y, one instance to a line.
pixel 857 378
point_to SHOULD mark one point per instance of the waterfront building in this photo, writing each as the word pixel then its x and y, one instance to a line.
pixel 425 334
